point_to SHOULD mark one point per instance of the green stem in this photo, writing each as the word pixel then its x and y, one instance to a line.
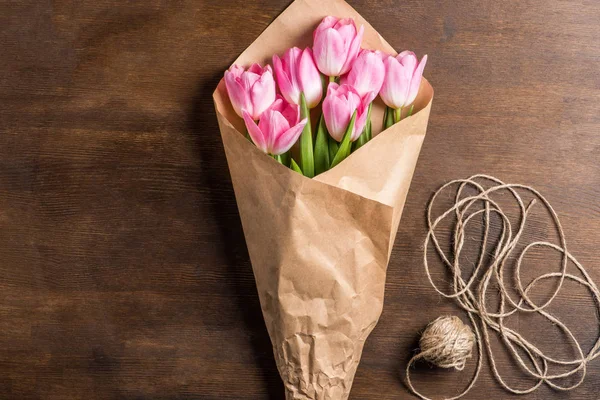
pixel 385 117
pixel 397 114
pixel 389 117
pixel 278 158
pixel 307 162
pixel 411 110
pixel 332 79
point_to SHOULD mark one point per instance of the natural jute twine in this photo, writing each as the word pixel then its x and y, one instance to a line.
pixel 447 342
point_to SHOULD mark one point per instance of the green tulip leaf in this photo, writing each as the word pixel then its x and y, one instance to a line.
pixel 285 158
pixel 333 147
pixel 321 148
pixel 295 166
pixel 369 122
pixel 307 162
pixel 346 144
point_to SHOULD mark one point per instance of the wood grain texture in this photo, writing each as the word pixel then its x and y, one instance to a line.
pixel 123 268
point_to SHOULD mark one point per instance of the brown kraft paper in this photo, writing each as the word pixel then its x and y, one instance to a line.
pixel 320 247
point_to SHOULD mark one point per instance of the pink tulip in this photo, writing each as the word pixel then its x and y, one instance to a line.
pixel 402 79
pixel 297 72
pixel 278 128
pixel 366 74
pixel 339 105
pixel 336 45
pixel 252 91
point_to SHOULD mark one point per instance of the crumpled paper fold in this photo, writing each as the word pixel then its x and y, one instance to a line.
pixel 320 247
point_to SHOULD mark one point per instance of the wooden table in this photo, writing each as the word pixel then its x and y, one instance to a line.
pixel 123 267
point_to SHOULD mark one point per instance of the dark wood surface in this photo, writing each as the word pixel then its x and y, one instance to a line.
pixel 123 268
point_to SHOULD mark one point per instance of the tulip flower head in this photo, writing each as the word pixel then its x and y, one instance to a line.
pixel 296 72
pixel 402 79
pixel 339 105
pixel 366 74
pixel 336 45
pixel 278 128
pixel 252 91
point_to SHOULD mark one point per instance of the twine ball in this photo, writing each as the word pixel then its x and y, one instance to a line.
pixel 447 343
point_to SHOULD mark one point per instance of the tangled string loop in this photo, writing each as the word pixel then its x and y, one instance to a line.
pixel 488 275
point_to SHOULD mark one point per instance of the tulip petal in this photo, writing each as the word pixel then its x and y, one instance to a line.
pixel 377 72
pixel 272 124
pixel 236 70
pixel 332 88
pixel 309 79
pixel 291 112
pixel 343 22
pixel 291 59
pixel 367 73
pixel 408 59
pixel 365 136
pixel 254 131
pixel 262 94
pixel 329 52
pixel 337 116
pixel 285 140
pixel 359 125
pixel 353 98
pixel 267 68
pixel 395 84
pixel 345 145
pixel 291 62
pixel 355 103
pixel 289 92
pixel 248 79
pixel 278 104
pixel 415 82
pixel 353 50
pixel 347 30
pixel 369 97
pixel 256 69
pixel 326 23
pixel 237 95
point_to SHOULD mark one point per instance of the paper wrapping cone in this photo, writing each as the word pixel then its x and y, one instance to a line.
pixel 320 247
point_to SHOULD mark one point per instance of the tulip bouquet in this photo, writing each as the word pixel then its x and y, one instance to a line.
pixel 351 78
pixel 321 149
